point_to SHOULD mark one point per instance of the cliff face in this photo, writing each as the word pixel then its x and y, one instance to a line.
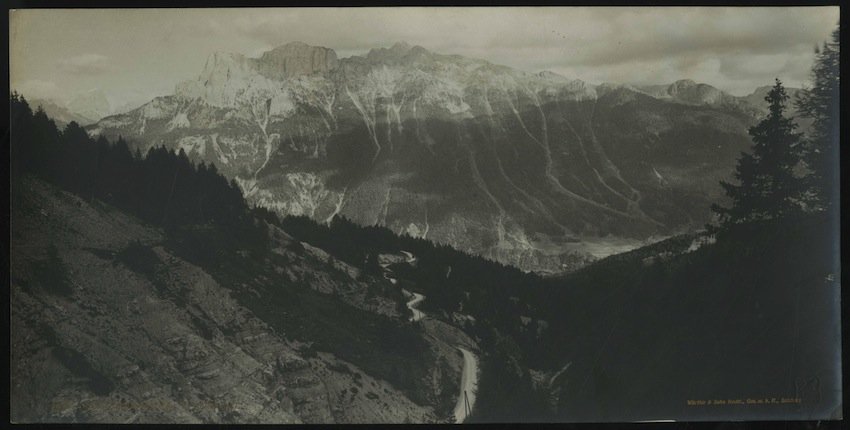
pixel 531 169
pixel 296 59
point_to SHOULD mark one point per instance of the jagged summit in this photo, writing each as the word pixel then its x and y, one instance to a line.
pixel 400 46
pixel 400 51
pixel 285 61
pixel 683 83
pixel 688 91
pixel 546 74
pixel 295 59
pixel 295 44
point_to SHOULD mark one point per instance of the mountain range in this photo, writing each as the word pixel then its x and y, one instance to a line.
pixel 531 169
pixel 83 108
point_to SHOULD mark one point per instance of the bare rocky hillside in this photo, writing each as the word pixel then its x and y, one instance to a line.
pixel 109 324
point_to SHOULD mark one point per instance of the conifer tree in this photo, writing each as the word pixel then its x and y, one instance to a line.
pixel 768 187
pixel 820 102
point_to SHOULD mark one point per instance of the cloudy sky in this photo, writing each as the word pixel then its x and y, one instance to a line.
pixel 134 55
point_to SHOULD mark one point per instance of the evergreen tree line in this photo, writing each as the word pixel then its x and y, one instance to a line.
pixel 161 187
pixel 451 279
pixel 787 174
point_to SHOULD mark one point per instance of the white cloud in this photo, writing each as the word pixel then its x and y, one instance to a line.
pixel 86 64
pixel 733 48
pixel 736 49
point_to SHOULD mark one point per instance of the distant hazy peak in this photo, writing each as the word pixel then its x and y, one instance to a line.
pixel 90 104
pixel 608 87
pixel 59 112
pixel 400 46
pixel 398 51
pixel 762 89
pixel 549 75
pixel 761 92
pixel 683 83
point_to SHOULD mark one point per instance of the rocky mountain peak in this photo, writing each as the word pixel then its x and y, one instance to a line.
pixel 399 52
pixel 757 99
pixel 417 51
pixel 221 65
pixel 608 87
pixel 220 59
pixel 760 93
pixel 296 59
pixel 617 94
pixel 549 75
pixel 58 112
pixel 688 91
pixel 681 84
pixel 400 47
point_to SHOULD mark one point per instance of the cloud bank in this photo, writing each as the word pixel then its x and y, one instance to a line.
pixel 127 52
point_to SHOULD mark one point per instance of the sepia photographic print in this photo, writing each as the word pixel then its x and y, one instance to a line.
pixel 424 215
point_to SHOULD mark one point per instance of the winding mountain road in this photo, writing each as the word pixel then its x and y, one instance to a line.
pixel 410 257
pixel 417 299
pixel 469 374
pixel 468 386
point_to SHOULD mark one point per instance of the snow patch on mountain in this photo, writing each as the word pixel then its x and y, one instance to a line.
pixel 222 157
pixel 193 145
pixel 304 193
pixel 179 121
pixel 248 186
